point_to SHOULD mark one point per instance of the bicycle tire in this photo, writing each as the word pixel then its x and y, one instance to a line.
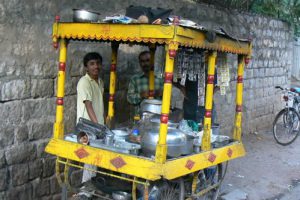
pixel 286 129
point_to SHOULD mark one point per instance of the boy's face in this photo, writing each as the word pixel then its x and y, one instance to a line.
pixel 93 67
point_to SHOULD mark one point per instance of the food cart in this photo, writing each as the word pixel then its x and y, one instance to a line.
pixel 140 171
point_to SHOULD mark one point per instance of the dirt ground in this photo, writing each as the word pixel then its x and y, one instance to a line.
pixel 269 171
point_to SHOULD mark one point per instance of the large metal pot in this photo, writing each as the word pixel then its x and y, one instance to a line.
pixel 151 106
pixel 80 15
pixel 176 141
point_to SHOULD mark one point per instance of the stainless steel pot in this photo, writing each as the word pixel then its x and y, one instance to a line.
pixel 156 119
pixel 176 141
pixel 151 105
pixel 80 15
pixel 188 148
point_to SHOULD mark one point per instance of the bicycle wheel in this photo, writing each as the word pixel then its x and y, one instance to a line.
pixel 286 126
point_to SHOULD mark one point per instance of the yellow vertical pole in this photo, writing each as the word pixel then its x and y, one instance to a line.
pixel 152 48
pixel 209 101
pixel 133 191
pixel 237 132
pixel 59 125
pixel 112 81
pixel 194 183
pixel 161 148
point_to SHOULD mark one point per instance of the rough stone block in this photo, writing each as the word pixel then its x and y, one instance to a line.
pixel 2 159
pixel 23 192
pixel 42 87
pixel 3 195
pixel 41 188
pixel 40 130
pixel 48 167
pixel 21 153
pixel 19 174
pixel 38 109
pixel 57 197
pixel 11 113
pixel 21 133
pixel 3 179
pixel 38 68
pixel 7 136
pixel 54 186
pixel 41 149
pixel 35 169
pixel 15 89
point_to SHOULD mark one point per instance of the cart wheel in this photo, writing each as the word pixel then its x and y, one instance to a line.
pixel 208 177
pixel 168 190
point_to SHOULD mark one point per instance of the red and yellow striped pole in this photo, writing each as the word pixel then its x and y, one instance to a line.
pixel 59 124
pixel 112 81
pixel 206 145
pixel 237 132
pixel 152 48
pixel 161 148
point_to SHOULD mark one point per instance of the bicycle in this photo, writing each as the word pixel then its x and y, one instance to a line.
pixel 287 122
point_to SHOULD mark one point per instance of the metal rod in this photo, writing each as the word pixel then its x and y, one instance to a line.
pixel 104 173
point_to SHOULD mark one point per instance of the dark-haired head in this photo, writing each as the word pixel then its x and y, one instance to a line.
pixel 91 56
pixel 143 53
pixel 144 60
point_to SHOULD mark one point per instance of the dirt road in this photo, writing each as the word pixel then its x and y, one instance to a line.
pixel 269 171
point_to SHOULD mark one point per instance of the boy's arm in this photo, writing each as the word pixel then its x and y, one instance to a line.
pixel 90 111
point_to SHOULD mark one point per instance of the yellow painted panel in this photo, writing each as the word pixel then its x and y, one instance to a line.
pixel 156 31
pixel 163 34
pixel 140 167
pixel 117 32
pixel 179 167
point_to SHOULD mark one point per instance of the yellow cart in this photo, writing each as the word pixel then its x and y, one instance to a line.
pixel 139 170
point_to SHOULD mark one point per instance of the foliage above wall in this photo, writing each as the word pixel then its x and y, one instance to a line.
pixel 287 10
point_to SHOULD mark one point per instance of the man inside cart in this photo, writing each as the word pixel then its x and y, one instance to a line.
pixel 138 88
pixel 90 98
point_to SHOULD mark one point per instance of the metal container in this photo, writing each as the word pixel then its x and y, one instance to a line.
pixel 80 15
pixel 156 119
pixel 97 143
pixel 109 139
pixel 176 141
pixel 120 135
pixel 215 129
pixel 151 105
pixel 188 148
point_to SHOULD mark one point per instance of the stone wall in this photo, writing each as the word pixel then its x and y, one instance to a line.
pixel 28 72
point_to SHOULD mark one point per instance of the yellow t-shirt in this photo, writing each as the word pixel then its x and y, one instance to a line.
pixel 89 89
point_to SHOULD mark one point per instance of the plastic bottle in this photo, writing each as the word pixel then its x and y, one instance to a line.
pixel 135 132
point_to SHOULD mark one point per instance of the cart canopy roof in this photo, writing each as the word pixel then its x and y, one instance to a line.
pixel 156 34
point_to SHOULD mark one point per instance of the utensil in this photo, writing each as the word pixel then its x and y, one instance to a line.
pixel 176 140
pixel 109 139
pixel 188 148
pixel 120 135
pixel 151 105
pixel 81 15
